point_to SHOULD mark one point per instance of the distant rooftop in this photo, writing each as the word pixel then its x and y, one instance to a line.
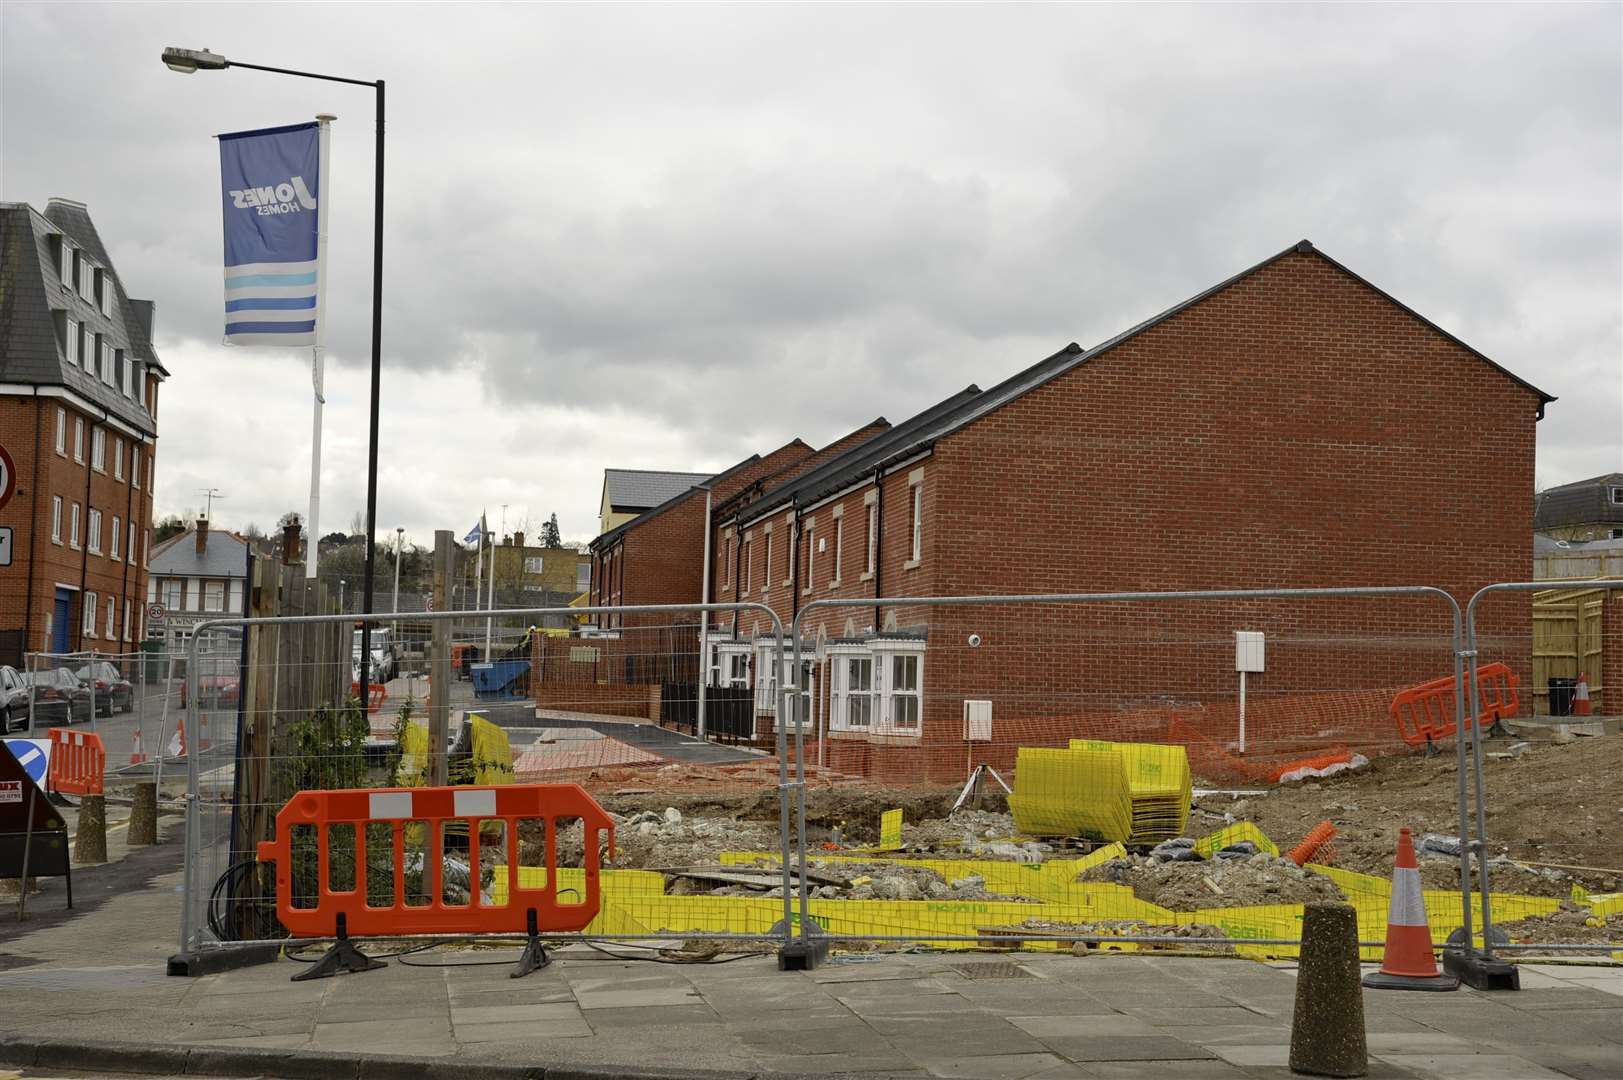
pixel 635 490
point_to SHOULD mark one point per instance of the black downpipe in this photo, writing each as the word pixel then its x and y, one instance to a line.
pixel 794 579
pixel 84 545
pixel 33 539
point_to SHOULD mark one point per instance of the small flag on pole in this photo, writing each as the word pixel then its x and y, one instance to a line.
pixel 474 533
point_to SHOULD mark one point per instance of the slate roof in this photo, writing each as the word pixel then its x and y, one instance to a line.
pixel 702 481
pixel 32 292
pixel 224 556
pixel 945 417
pixel 1582 502
pixel 643 489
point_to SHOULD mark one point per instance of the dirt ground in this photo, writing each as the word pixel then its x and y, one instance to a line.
pixel 1573 923
pixel 1554 804
pixel 1185 886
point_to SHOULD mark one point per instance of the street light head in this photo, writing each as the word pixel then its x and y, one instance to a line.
pixel 189 61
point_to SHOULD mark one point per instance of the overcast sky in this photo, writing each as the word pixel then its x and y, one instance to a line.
pixel 668 237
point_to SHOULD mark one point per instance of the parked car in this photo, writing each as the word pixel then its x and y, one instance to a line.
pixel 13 701
pixel 218 684
pixel 59 696
pixel 113 691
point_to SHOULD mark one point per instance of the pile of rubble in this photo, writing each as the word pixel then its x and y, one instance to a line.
pixel 1190 884
pixel 834 881
pixel 1192 933
pixel 657 839
pixel 1572 923
pixel 973 834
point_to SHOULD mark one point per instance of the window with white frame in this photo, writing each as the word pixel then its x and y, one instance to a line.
pixel 766 569
pixel 87 349
pixel 65 266
pixel 56 519
pixel 917 528
pixel 126 620
pixel 852 691
pixel 90 615
pixel 118 458
pixel 78 440
pixel 811 556
pixel 1617 496
pixel 112 614
pixel 98 450
pixel 133 388
pixel 873 538
pixel 733 663
pixel 194 595
pixel 106 290
pixel 73 528
pixel 899 676
pixel 62 431
pixel 113 545
pixel 839 542
pixel 149 472
pixel 749 562
pixel 70 342
pixel 108 365
pixel 87 283
pixel 123 367
pixel 135 467
pixel 766 676
pixel 171 593
pixel 93 532
pixel 214 596
pixel 727 557
pixel 532 564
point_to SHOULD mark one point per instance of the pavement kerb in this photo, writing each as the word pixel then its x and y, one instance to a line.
pixel 314 1064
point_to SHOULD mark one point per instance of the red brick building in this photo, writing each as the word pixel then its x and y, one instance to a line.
pixel 78 417
pixel 1293 426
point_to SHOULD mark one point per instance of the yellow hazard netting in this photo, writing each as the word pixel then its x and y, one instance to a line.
pixel 1134 792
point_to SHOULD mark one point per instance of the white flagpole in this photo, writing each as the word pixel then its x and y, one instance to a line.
pixel 491 605
pixel 479 565
pixel 317 351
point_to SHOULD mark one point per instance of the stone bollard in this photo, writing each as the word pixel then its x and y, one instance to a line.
pixel 90 838
pixel 1327 1029
pixel 144 815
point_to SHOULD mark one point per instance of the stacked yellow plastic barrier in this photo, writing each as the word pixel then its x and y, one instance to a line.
pixel 1071 793
pixel 1159 783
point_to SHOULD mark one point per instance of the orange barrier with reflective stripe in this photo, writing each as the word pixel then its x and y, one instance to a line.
pixel 427 811
pixel 1425 713
pixel 78 762
pixel 376 694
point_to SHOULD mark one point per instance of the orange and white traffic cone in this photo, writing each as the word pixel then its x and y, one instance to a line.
pixel 1407 963
pixel 137 754
pixel 177 742
pixel 1580 697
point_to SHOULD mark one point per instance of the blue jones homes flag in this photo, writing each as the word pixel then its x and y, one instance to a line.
pixel 268 181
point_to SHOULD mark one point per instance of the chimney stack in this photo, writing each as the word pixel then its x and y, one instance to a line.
pixel 290 544
pixel 202 535
pixel 518 539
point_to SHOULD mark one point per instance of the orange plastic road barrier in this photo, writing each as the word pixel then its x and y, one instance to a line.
pixel 376 694
pixel 1580 697
pixel 323 911
pixel 1407 962
pixel 77 763
pixel 1425 713
pixel 1317 837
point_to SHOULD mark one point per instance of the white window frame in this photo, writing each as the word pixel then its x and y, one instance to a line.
pixel 766 569
pixel 93 531
pixel 78 440
pixel 727 557
pixel 839 538
pixel 62 431
pixel 112 619
pixel 747 557
pixel 841 693
pixel 916 526
pixel 88 615
pixel 73 531
pixel 65 263
pixel 732 663
pixel 233 595
pixel 135 466
pixel 87 280
pixel 121 362
pixel 71 342
pixel 173 591
pixel 126 619
pixel 873 540
pixel 114 548
pixel 108 375
pixel 105 299
pixel 766 676
pixel 811 555
pixel 98 449
pixel 56 519
pixel 149 472
pixel 1617 496
pixel 886 654
pixel 213 596
pixel 533 564
pixel 118 458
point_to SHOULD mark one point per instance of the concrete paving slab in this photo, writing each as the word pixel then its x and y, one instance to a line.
pixel 412 1008
pixel 888 1063
pixel 1053 999
pixel 925 1005
pixel 514 993
pixel 1193 1069
pixel 523 1031
pixel 1000 1066
pixel 851 1037
pixel 1124 1048
pixel 502 1014
pixel 1202 1015
pixel 931 1043
pixel 1259 1033
pixel 1265 1054
pixel 428 1037
pixel 1063 1026
pixel 670 1016
pixel 639 998
pixel 1473 1066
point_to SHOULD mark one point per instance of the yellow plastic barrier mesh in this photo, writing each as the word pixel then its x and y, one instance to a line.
pixel 1158 782
pixel 1211 844
pixel 492 753
pixel 1071 793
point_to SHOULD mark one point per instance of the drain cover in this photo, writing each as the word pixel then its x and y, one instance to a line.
pixel 1001 969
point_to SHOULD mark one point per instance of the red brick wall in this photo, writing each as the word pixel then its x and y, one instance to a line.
pixel 29 516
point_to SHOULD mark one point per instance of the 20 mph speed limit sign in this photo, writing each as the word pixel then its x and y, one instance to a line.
pixel 8 478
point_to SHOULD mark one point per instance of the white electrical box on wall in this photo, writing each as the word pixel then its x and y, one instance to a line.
pixel 1248 650
pixel 978 721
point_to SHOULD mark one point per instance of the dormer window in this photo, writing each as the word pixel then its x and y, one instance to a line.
pixel 64 266
pixel 1617 496
pixel 104 291
pixel 87 278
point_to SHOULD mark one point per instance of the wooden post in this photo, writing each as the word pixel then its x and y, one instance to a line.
pixel 439 662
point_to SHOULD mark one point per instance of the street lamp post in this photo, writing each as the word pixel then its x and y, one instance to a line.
pixel 190 61
pixel 399 542
pixel 341 608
